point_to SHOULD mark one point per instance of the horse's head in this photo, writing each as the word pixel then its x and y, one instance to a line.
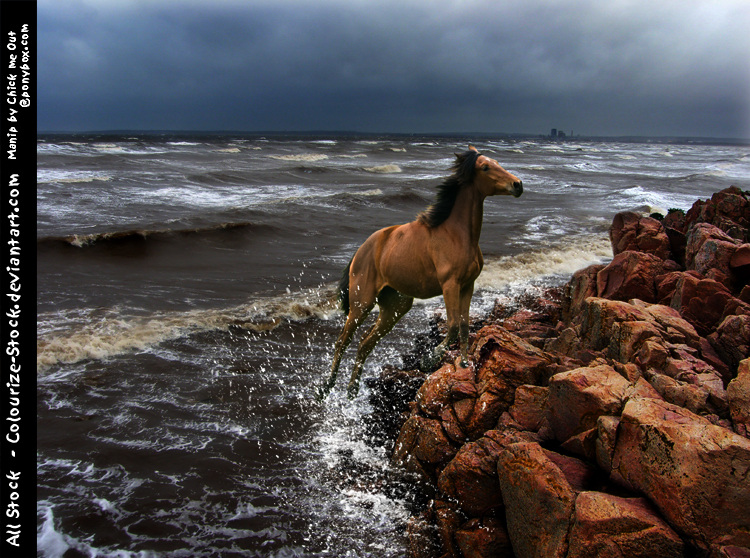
pixel 494 180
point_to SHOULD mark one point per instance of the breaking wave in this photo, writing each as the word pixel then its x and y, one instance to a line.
pixel 306 157
pixel 98 335
pixel 558 260
pixel 384 169
pixel 70 177
pixel 140 235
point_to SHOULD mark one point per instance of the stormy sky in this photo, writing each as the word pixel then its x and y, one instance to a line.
pixel 608 68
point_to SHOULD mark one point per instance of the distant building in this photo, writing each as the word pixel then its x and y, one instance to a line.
pixel 555 133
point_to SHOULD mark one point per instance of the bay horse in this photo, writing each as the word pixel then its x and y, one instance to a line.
pixel 438 253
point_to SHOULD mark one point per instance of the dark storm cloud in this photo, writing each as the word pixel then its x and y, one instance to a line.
pixel 660 68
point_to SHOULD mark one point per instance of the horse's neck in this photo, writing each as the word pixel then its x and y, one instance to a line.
pixel 467 214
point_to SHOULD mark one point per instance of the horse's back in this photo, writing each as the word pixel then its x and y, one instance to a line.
pixel 400 258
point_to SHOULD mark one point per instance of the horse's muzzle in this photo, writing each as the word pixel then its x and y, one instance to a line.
pixel 517 189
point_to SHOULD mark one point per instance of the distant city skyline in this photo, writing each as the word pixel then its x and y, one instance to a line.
pixel 622 68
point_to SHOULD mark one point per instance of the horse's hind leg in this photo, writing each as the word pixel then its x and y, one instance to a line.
pixel 356 316
pixel 362 297
pixel 393 305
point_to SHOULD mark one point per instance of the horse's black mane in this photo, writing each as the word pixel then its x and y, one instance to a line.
pixel 463 173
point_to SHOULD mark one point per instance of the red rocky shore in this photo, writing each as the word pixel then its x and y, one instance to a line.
pixel 607 418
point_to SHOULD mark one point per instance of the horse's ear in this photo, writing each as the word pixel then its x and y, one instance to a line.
pixel 472 148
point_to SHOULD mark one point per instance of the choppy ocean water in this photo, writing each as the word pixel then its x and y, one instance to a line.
pixel 185 289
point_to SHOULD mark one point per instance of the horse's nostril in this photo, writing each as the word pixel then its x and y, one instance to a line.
pixel 518 188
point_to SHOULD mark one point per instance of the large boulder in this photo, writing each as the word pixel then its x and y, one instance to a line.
pixel 579 397
pixel 607 526
pixel 539 501
pixel 629 337
pixel 702 302
pixel 529 408
pixel 550 511
pixel 435 394
pixel 598 316
pixel 423 447
pixel 731 340
pixel 630 275
pixel 696 396
pixel 581 286
pixel 674 327
pixel 484 538
pixel 470 479
pixel 632 231
pixel 738 394
pixel 728 209
pixel 695 473
pixel 449 395
pixel 709 251
pixel 504 361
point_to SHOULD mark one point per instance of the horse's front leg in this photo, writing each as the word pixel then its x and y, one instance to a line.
pixel 454 297
pixel 465 303
pixel 431 360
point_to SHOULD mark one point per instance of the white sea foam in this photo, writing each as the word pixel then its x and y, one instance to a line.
pixel 107 507
pixel 373 192
pixel 53 544
pixel 50 542
pixel 638 196
pixel 305 157
pixel 539 227
pixel 559 260
pixel 384 169
pixel 247 510
pixel 69 177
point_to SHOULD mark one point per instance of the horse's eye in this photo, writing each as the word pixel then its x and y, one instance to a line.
pixel 485 168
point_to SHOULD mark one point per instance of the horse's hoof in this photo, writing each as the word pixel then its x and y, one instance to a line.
pixel 352 392
pixel 321 392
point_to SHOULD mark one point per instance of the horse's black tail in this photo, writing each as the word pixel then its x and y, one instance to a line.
pixel 344 289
